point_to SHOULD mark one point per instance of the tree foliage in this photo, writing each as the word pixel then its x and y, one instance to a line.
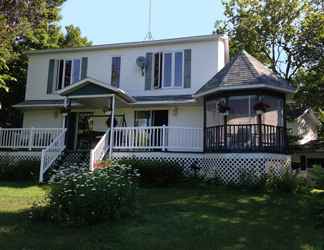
pixel 28 25
pixel 286 35
pixel 271 30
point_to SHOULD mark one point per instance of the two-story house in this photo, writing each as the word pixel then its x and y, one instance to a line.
pixel 175 99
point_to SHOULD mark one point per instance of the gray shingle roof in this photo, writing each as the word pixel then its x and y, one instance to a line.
pixel 163 98
pixel 43 103
pixel 244 70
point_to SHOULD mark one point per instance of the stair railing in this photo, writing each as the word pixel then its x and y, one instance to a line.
pixel 51 153
pixel 100 150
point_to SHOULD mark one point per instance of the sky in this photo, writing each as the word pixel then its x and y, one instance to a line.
pixel 112 21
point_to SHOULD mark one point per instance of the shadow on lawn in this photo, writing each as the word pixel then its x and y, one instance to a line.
pixel 182 218
pixel 22 184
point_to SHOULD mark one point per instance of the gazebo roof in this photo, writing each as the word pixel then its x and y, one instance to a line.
pixel 244 72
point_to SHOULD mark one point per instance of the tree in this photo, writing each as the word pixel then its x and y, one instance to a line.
pixel 73 38
pixel 269 30
pixel 27 25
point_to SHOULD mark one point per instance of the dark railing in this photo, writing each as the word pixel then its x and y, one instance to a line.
pixel 246 138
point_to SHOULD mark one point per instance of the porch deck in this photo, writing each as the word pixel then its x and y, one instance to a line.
pixel 251 138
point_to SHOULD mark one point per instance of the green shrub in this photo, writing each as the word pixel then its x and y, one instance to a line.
pixel 285 182
pixel 251 178
pixel 24 170
pixel 317 176
pixel 155 172
pixel 90 197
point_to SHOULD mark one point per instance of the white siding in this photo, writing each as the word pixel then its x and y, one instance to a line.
pixel 207 59
pixel 42 119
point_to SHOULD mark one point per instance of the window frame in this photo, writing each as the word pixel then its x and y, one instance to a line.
pixel 111 68
pixel 57 73
pixel 251 112
pixel 173 69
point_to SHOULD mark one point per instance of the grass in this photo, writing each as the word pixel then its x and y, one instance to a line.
pixel 170 218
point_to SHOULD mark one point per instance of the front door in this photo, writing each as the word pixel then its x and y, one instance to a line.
pixel 160 118
pixel 71 126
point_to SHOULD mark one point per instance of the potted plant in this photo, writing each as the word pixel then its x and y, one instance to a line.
pixel 223 108
pixel 261 107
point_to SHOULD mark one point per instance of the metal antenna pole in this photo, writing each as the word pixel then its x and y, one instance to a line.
pixel 149 33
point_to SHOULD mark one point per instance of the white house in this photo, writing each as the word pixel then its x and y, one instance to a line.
pixel 175 99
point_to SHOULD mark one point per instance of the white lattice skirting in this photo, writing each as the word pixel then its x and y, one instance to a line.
pixel 228 167
pixel 20 156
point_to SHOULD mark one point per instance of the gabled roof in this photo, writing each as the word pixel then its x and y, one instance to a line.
pixel 158 42
pixel 91 87
pixel 244 72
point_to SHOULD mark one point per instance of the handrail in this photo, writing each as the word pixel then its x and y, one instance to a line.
pixel 99 151
pixel 51 153
pixel 27 138
pixel 170 138
pixel 246 138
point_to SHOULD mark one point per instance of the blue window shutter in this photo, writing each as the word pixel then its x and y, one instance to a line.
pixel 50 79
pixel 187 68
pixel 84 68
pixel 148 71
pixel 115 71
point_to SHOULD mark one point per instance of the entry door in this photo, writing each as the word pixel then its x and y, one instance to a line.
pixel 71 126
pixel 160 118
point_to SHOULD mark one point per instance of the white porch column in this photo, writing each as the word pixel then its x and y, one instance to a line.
pixel 112 119
pixel 64 114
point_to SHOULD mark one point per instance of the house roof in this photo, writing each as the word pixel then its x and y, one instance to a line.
pixel 244 72
pixel 43 104
pixel 91 87
pixel 132 44
pixel 164 99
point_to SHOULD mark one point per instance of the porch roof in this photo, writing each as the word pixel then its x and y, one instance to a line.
pixel 44 104
pixel 244 72
pixel 89 87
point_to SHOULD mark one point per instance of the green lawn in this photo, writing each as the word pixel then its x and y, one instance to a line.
pixel 170 218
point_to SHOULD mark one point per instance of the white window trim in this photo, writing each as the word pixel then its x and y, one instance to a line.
pixel 172 52
pixel 110 68
pixel 63 74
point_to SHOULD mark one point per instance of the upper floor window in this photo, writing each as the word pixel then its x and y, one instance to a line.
pixel 168 70
pixel 115 71
pixel 67 72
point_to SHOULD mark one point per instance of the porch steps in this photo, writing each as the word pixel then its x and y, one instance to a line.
pixel 69 158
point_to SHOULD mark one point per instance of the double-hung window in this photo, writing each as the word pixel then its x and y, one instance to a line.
pixel 168 70
pixel 67 72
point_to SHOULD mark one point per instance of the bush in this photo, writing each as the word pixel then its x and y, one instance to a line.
pixel 251 178
pixel 90 197
pixel 286 181
pixel 317 176
pixel 155 172
pixel 19 171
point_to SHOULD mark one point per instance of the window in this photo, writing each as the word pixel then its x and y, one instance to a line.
pixel 158 59
pixel 242 105
pixel 142 118
pixel 76 70
pixel 167 76
pixel 115 71
pixel 168 70
pixel 67 72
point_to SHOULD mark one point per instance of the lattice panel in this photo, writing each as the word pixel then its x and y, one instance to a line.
pixel 20 156
pixel 227 167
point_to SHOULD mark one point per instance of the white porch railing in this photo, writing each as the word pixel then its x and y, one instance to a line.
pixel 164 138
pixel 100 150
pixel 136 138
pixel 27 138
pixel 50 153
